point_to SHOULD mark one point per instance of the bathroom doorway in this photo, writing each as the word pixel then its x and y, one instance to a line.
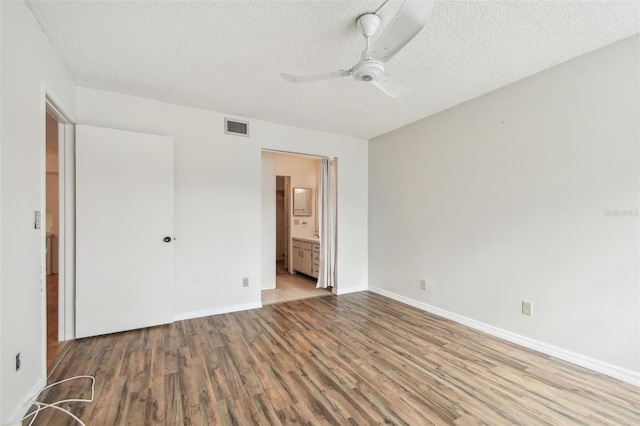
pixel 293 229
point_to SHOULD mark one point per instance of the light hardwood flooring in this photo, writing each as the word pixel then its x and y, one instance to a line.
pixel 355 359
pixel 291 287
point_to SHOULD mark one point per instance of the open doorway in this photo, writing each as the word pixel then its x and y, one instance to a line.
pixel 58 232
pixel 297 243
pixel 53 237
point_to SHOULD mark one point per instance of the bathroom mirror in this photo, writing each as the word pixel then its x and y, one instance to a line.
pixel 301 201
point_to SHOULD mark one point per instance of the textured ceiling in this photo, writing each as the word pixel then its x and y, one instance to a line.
pixel 227 56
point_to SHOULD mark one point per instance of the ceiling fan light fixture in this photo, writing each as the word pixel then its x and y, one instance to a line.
pixel 368 71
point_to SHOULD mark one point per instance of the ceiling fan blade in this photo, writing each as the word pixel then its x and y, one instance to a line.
pixel 314 77
pixel 391 86
pixel 408 22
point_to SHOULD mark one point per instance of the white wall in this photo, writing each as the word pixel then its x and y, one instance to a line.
pixel 268 257
pixel 218 196
pixel 506 198
pixel 29 64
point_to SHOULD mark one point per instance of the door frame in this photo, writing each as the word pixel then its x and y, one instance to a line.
pixel 66 203
pixel 298 154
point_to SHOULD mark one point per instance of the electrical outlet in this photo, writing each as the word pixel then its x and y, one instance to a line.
pixel 423 284
pixel 18 362
pixel 245 282
pixel 526 308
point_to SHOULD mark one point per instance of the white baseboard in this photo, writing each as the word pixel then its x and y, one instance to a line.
pixel 619 373
pixel 216 311
pixel 15 418
pixel 338 290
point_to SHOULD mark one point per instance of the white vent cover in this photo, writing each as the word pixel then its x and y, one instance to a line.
pixel 235 127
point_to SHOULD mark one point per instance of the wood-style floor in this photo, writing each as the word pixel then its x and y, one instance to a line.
pixel 359 358
pixel 291 287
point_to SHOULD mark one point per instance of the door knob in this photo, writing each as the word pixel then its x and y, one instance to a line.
pixel 167 239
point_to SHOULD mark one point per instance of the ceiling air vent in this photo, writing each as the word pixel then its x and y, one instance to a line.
pixel 235 127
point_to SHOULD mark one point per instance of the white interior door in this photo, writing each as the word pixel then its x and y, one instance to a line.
pixel 124 211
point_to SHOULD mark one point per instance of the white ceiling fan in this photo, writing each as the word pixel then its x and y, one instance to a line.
pixel 407 23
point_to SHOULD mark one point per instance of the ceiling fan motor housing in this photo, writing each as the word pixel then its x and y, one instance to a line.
pixel 368 24
pixel 369 70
